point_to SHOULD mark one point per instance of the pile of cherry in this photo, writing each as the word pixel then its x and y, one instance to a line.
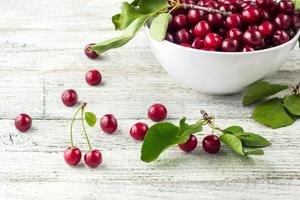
pixel 251 25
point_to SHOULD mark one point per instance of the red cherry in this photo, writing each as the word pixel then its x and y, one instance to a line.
pixel 286 6
pixel 252 37
pixel 282 21
pixel 157 112
pixel 212 41
pixel 248 48
pixel 280 37
pixel 215 19
pixel 235 33
pixel 233 21
pixel 230 45
pixel 109 123
pixel 182 36
pixel 201 29
pixel 228 8
pixel 197 43
pixel 93 77
pixel 211 144
pixel 180 21
pixel 266 28
pixel 138 131
pixel 266 3
pixel 69 97
pixel 93 158
pixel 89 52
pixel 195 15
pixel 211 4
pixel 190 145
pixel 250 15
pixel 72 155
pixel 185 44
pixel 170 37
pixel 23 122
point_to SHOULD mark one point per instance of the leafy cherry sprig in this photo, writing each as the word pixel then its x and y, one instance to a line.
pixel 164 135
pixel 275 112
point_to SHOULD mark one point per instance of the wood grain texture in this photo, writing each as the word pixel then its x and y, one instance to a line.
pixel 41 55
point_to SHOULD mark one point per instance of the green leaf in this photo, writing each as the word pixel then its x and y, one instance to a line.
pixel 233 143
pixel 235 130
pixel 297 4
pixel 292 104
pixel 116 21
pixel 159 26
pixel 254 152
pixel 126 36
pixel 150 6
pixel 186 130
pixel 90 119
pixel 159 137
pixel 272 113
pixel 260 90
pixel 253 140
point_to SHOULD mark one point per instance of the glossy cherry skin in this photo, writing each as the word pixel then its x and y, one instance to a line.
pixel 250 15
pixel 201 29
pixel 89 52
pixel 230 45
pixel 286 6
pixel 190 145
pixel 282 21
pixel 138 131
pixel 215 19
pixel 69 97
pixel 233 21
pixel 93 158
pixel 266 29
pixel 185 44
pixel 170 37
pixel 93 77
pixel 212 41
pixel 252 37
pixel 23 122
pixel 280 37
pixel 157 112
pixel 72 155
pixel 180 21
pixel 266 3
pixel 211 144
pixel 197 43
pixel 247 48
pixel 195 15
pixel 182 36
pixel 235 33
pixel 211 4
pixel 109 123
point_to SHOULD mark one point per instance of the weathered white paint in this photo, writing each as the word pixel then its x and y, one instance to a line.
pixel 41 55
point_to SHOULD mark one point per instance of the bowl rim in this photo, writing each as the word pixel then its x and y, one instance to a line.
pixel 173 45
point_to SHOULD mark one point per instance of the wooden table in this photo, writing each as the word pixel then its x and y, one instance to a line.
pixel 41 55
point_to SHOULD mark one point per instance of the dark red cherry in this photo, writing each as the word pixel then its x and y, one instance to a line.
pixel 93 158
pixel 138 131
pixel 215 19
pixel 72 155
pixel 195 15
pixel 228 8
pixel 89 52
pixel 93 77
pixel 230 45
pixel 247 48
pixel 235 33
pixel 233 21
pixel 180 21
pixel 250 15
pixel 265 15
pixel 157 112
pixel 190 145
pixel 295 22
pixel 266 28
pixel 23 122
pixel 252 37
pixel 282 21
pixel 182 36
pixel 211 4
pixel 170 37
pixel 280 37
pixel 212 41
pixel 266 3
pixel 286 6
pixel 211 144
pixel 197 43
pixel 201 29
pixel 69 97
pixel 109 123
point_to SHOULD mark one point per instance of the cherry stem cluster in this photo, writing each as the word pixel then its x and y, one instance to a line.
pixel 81 108
pixel 295 89
pixel 210 121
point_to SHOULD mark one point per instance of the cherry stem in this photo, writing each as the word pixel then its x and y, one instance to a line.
pixel 71 128
pixel 83 127
pixel 295 89
pixel 210 10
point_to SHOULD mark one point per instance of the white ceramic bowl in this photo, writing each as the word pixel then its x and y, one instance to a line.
pixel 219 73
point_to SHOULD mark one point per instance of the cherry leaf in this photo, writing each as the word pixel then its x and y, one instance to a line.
pixel 292 104
pixel 151 6
pixel 233 143
pixel 159 26
pixel 254 152
pixel 253 140
pixel 90 119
